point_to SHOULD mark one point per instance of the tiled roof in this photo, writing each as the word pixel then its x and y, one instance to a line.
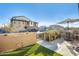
pixel 22 18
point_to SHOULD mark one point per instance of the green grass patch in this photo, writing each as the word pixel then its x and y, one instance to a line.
pixel 33 50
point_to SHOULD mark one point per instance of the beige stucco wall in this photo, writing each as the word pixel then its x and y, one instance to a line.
pixel 18 25
pixel 17 40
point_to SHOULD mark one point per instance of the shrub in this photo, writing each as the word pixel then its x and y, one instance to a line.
pixel 54 34
pixel 5 35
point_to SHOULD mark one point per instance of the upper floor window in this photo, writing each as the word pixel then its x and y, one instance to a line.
pixel 14 22
pixel 31 23
pixel 23 22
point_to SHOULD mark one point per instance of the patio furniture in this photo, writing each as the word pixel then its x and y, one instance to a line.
pixel 69 36
pixel 76 36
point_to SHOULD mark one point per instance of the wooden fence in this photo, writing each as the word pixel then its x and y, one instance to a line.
pixel 12 41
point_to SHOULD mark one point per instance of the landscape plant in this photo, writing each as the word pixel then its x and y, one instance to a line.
pixel 50 35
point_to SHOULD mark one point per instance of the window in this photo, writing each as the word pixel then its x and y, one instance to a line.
pixel 23 22
pixel 19 22
pixel 31 23
pixel 14 22
pixel 25 27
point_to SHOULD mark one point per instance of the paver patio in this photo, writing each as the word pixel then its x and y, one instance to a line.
pixel 59 45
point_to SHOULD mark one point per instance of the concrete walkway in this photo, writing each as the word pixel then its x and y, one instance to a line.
pixel 59 45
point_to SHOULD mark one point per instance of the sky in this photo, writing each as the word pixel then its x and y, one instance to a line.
pixel 43 13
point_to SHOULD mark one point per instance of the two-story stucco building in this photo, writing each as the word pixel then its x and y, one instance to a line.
pixel 21 23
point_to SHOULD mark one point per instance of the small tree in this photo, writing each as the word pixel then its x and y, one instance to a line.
pixel 8 28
